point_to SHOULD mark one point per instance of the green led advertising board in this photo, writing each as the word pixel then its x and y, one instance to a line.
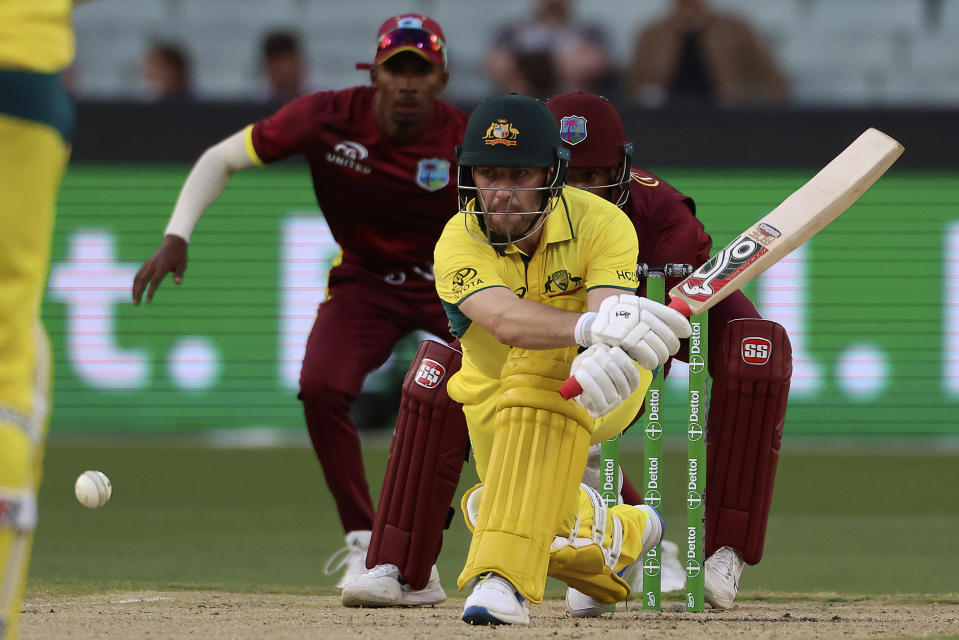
pixel 871 303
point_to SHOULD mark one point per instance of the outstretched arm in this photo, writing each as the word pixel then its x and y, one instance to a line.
pixel 524 323
pixel 203 186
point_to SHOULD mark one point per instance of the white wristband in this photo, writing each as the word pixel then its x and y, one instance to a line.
pixel 581 334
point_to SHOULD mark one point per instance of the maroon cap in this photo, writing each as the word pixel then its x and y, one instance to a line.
pixel 590 127
pixel 410 32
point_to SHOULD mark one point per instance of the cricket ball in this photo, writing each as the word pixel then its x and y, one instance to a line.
pixel 93 489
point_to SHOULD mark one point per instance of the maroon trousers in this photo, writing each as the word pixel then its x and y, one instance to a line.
pixel 356 328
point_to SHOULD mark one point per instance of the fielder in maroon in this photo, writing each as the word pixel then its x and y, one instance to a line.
pixel 382 288
pixel 747 401
pixel 381 159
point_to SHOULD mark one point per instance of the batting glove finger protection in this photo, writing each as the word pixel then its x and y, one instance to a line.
pixel 642 353
pixel 646 330
pixel 607 376
pixel 677 323
pixel 654 333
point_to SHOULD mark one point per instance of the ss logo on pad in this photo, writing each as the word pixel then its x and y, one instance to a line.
pixel 429 374
pixel 756 350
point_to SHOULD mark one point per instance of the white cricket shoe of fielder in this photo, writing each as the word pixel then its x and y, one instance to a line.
pixel 351 558
pixel 723 569
pixel 580 605
pixel 673 577
pixel 381 586
pixel 495 601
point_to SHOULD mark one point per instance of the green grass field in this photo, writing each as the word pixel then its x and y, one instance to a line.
pixel 263 521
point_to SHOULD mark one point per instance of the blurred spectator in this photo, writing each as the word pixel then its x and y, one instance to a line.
pixel 550 52
pixel 166 72
pixel 696 55
pixel 284 66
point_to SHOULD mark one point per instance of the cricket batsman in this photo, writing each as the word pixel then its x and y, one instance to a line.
pixel 527 271
pixel 426 456
pixel 36 128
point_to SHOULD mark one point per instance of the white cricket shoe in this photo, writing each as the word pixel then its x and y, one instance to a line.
pixel 351 558
pixel 580 605
pixel 673 577
pixel 381 586
pixel 495 601
pixel 723 569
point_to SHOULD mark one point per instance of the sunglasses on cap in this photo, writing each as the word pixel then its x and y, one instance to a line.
pixel 416 38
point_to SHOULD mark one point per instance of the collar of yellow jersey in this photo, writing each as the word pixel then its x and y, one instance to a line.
pixel 557 228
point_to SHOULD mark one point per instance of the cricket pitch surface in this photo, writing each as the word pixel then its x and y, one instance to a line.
pixel 212 614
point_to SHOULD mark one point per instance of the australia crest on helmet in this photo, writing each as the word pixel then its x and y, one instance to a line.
pixel 503 132
pixel 572 129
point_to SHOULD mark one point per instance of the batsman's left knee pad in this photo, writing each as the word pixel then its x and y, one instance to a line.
pixel 746 415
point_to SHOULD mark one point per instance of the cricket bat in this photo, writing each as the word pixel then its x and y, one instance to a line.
pixel 799 217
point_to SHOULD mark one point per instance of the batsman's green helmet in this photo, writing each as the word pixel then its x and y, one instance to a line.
pixel 511 131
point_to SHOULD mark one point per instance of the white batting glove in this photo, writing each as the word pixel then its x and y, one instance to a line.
pixel 648 331
pixel 607 376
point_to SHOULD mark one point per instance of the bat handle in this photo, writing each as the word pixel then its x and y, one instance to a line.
pixel 571 388
pixel 681 306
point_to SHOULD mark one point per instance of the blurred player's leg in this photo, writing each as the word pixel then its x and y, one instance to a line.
pixel 32 158
pixel 430 444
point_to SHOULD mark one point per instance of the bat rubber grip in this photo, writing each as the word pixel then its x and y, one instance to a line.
pixel 681 306
pixel 571 388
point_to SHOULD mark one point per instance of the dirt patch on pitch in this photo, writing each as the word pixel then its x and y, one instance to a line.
pixel 205 614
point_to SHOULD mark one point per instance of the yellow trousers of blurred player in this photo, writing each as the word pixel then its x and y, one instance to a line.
pixel 530 517
pixel 33 154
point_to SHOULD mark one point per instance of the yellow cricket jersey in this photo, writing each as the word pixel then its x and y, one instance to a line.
pixel 36 35
pixel 36 44
pixel 587 242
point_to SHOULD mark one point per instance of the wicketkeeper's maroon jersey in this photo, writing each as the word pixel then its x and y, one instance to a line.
pixel 667 232
pixel 386 203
